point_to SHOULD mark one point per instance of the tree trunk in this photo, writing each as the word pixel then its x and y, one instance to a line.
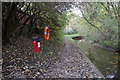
pixel 9 17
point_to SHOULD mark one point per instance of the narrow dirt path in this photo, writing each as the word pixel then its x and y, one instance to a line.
pixel 72 64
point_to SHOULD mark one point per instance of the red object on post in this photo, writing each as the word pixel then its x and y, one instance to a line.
pixel 36 46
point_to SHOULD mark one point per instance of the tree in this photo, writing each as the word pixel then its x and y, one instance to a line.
pixel 104 18
pixel 42 14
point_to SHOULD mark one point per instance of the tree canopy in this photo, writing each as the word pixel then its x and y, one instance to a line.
pixel 39 14
pixel 99 22
pixel 101 19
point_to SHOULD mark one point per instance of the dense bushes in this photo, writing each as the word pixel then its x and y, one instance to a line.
pixel 39 15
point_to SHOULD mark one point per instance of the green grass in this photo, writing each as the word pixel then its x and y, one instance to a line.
pixel 70 37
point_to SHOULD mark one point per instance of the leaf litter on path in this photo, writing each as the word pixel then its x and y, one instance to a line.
pixel 20 61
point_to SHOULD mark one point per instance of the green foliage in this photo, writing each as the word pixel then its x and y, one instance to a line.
pixel 40 15
pixel 70 32
pixel 50 16
pixel 107 43
pixel 103 19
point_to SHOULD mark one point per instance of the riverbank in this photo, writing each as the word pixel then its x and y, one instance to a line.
pixel 98 56
pixel 72 64
pixel 94 44
pixel 101 46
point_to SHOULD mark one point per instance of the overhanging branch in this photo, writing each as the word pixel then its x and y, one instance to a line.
pixel 94 25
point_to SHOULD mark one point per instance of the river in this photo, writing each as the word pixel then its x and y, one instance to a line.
pixel 105 60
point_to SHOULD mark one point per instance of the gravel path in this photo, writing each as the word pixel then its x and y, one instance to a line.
pixel 72 64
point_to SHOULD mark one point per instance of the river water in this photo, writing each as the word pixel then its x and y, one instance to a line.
pixel 105 60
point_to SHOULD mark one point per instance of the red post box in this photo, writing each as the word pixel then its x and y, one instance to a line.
pixel 36 44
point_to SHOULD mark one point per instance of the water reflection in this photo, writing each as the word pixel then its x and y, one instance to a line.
pixel 105 60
